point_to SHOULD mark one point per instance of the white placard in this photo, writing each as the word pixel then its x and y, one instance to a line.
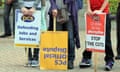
pixel 27 29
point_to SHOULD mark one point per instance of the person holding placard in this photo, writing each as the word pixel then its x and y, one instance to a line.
pixel 100 6
pixel 28 8
pixel 66 13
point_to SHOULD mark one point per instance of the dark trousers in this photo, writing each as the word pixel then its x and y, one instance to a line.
pixel 7 26
pixel 33 55
pixel 108 46
pixel 71 43
pixel 118 29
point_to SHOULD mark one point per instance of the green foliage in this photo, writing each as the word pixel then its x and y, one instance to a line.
pixel 113 6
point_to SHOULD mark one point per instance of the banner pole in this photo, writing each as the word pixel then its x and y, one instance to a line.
pixel 95 61
pixel 26 56
pixel 54 23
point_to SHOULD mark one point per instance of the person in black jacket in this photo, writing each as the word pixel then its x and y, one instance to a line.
pixel 118 31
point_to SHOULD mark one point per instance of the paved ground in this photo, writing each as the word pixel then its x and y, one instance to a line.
pixel 12 59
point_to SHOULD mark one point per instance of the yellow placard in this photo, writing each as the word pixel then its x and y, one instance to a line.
pixel 54 50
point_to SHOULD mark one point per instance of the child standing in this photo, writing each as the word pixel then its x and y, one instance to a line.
pixel 98 6
pixel 28 7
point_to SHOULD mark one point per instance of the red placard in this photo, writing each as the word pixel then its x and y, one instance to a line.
pixel 95 32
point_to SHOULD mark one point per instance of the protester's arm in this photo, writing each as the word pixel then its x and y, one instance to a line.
pixel 53 4
pixel 89 11
pixel 22 7
pixel 102 7
pixel 54 7
pixel 33 9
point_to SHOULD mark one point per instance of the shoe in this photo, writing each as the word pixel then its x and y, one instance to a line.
pixel 109 65
pixel 5 35
pixel 117 57
pixel 35 63
pixel 85 63
pixel 28 64
pixel 70 65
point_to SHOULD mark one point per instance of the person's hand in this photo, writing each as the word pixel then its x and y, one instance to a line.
pixel 9 1
pixel 31 11
pixel 54 12
pixel 97 11
pixel 89 12
pixel 24 11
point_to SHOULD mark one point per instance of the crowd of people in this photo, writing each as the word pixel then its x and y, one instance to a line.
pixel 28 7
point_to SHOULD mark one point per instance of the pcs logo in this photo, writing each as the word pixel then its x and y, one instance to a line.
pixel 96 18
pixel 27 18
